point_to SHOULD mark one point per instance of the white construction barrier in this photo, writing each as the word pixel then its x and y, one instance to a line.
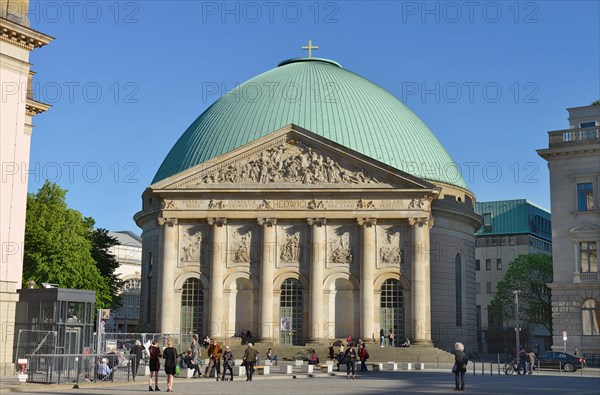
pixel 306 368
pixel 391 366
pixel 406 366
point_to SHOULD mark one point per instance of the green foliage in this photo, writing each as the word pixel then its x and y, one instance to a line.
pixel 107 263
pixel 58 248
pixel 528 274
pixel 596 103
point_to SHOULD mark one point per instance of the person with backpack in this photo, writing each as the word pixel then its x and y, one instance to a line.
pixel 460 366
pixel 363 354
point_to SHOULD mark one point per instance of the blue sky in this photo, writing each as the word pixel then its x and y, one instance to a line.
pixel 126 79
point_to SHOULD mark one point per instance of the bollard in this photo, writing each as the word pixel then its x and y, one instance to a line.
pixel 491 369
pixel 482 368
pixel 498 367
pixel 437 365
pixel 559 367
pixel 473 368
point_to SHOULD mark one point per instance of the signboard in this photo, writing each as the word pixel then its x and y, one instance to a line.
pixel 285 324
pixel 564 335
pixel 23 377
pixel 105 314
pixel 86 350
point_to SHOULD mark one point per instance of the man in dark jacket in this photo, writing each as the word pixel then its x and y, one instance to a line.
pixel 249 361
pixel 136 357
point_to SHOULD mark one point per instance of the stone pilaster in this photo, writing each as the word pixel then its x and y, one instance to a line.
pixel 421 287
pixel 217 271
pixel 317 267
pixel 367 271
pixel 267 269
pixel 168 236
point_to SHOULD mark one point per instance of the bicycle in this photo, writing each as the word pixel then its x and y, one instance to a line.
pixel 302 355
pixel 511 367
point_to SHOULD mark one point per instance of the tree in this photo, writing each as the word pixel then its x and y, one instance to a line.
pixel 106 262
pixel 528 274
pixel 58 248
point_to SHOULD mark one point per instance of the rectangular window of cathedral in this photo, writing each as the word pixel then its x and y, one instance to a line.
pixel 498 264
pixel 488 264
pixel 588 257
pixel 585 196
pixel 477 265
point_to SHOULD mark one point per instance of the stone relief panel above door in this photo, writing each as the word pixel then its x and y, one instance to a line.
pixel 243 246
pixel 193 245
pixel 293 245
pixel 341 245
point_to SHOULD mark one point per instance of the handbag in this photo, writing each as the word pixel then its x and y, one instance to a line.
pixel 454 368
pixel 177 370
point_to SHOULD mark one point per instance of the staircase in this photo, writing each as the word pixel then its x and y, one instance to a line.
pixel 414 353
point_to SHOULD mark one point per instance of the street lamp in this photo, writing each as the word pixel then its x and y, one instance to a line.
pixel 517 326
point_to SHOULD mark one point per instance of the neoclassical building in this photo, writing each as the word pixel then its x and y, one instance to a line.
pixel 305 205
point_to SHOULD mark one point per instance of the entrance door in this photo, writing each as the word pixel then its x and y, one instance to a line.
pixel 392 309
pixel 290 313
pixel 72 346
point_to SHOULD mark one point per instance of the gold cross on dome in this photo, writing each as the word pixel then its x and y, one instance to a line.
pixel 309 47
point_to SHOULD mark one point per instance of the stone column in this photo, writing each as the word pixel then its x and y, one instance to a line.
pixel 217 271
pixel 168 263
pixel 367 271
pixel 317 267
pixel 420 270
pixel 267 268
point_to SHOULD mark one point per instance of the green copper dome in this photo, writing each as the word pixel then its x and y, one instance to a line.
pixel 321 96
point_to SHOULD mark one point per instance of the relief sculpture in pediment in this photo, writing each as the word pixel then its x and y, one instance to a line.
pixel 288 162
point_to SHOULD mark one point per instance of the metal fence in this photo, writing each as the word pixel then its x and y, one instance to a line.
pixel 76 368
pixel 120 342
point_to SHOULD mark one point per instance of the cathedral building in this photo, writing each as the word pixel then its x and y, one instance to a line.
pixel 306 205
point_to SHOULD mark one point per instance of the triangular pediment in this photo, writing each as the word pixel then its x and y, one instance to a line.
pixel 585 227
pixel 292 157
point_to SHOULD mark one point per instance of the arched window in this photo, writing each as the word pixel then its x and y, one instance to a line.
pixel 590 317
pixel 458 289
pixel 192 306
pixel 392 309
pixel 130 303
pixel 149 287
pixel 291 312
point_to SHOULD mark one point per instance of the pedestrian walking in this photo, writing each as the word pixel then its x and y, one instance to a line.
pixel 228 363
pixel 460 366
pixel 382 338
pixel 249 361
pixel 136 357
pixel 170 356
pixel 155 354
pixel 214 353
pixel 363 354
pixel 350 357
pixel 391 337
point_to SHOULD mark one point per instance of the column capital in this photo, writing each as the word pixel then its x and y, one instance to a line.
pixel 421 221
pixel 368 222
pixel 316 221
pixel 167 221
pixel 216 221
pixel 269 222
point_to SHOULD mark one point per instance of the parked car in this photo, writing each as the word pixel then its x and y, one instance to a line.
pixel 556 360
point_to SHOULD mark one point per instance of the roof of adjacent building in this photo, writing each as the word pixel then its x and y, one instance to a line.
pixel 127 238
pixel 519 216
pixel 321 96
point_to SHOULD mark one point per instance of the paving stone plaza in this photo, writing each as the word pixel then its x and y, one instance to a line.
pixel 436 382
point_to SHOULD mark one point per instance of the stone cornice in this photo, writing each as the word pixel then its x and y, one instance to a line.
pixel 22 36
pixel 551 153
pixel 573 286
pixel 33 107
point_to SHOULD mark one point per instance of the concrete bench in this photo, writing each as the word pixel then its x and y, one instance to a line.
pixel 186 373
pixel 376 366
pixel 407 366
pixel 298 362
pixel 143 371
pixel 239 371
pixel 286 369
pixel 307 368
pixel 391 366
pixel 327 367
pixel 419 366
pixel 263 370
pixel 238 362
pixel 344 367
